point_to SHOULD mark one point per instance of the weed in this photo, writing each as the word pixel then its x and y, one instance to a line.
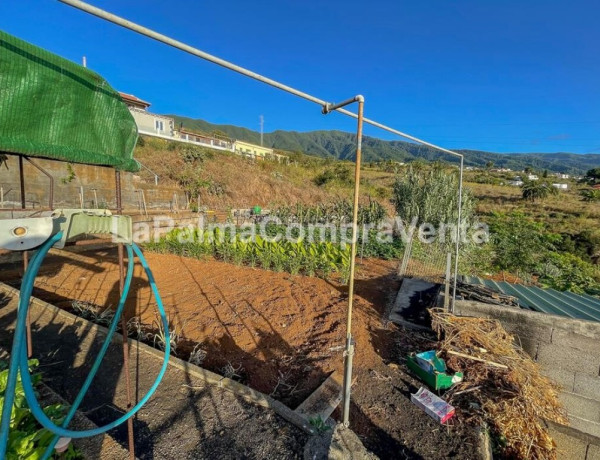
pixel 93 313
pixel 319 424
pixel 137 330
pixel 160 337
pixel 232 372
pixel 198 355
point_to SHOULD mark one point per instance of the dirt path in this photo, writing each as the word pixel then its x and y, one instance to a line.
pixel 286 332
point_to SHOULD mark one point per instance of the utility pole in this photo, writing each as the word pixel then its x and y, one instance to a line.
pixel 262 125
pixel 84 61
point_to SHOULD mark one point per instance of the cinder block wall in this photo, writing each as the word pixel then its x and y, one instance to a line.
pixel 568 351
pixel 67 187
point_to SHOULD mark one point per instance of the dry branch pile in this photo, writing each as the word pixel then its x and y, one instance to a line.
pixel 513 397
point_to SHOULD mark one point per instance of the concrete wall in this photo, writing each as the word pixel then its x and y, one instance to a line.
pixel 568 351
pixel 67 188
pixel 146 122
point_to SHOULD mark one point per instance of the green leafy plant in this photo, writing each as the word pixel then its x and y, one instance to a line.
pixel 322 258
pixel 590 194
pixel 319 424
pixel 27 440
pixel 70 175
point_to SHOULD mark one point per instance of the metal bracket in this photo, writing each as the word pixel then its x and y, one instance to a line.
pixel 28 233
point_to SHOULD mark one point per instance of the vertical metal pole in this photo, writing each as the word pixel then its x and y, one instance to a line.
pixel 447 283
pixel 25 256
pixel 124 324
pixel 50 178
pixel 458 235
pixel 349 353
pixel 22 182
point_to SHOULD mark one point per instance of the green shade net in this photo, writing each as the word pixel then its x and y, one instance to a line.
pixel 53 108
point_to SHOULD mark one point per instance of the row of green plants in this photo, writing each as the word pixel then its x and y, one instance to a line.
pixel 335 212
pixel 27 440
pixel 320 259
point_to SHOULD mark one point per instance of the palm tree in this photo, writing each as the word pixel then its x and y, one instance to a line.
pixel 534 190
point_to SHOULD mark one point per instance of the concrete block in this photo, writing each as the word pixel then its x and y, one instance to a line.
pixel 585 426
pixel 568 447
pixel 593 452
pixel 563 377
pixel 580 406
pixel 587 385
pixel 528 344
pixel 590 329
pixel 576 341
pixel 551 356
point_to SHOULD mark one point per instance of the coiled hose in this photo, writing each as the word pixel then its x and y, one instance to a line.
pixel 18 358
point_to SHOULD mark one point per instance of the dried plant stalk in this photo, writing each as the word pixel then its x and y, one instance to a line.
pixel 513 401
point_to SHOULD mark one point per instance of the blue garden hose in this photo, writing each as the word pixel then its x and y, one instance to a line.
pixel 18 359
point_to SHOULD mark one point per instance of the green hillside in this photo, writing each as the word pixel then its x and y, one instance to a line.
pixel 341 145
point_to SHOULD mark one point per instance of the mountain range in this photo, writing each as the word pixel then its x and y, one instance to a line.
pixel 342 146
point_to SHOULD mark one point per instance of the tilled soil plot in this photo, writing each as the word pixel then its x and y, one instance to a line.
pixel 278 333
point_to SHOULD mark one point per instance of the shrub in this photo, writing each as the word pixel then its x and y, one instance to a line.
pixel 431 195
pixel 518 241
pixel 337 173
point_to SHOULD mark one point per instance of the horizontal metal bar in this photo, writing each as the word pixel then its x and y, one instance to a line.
pixel 228 65
pixel 331 107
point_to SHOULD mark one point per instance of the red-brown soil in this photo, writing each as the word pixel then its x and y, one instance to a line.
pixel 275 325
pixel 281 329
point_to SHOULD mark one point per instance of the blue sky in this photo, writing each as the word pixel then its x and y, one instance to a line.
pixel 505 76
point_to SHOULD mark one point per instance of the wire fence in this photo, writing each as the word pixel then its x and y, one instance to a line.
pixel 91 196
pixel 426 261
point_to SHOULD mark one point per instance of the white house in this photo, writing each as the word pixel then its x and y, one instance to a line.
pixel 148 123
pixel 561 186
pixel 562 176
pixel 155 125
pixel 516 182
pixel 532 177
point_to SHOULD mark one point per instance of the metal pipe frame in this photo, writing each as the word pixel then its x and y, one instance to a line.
pixel 327 106
pixel 49 176
pixel 349 352
pixel 130 433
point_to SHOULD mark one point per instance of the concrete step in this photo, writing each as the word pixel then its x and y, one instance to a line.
pixel 323 401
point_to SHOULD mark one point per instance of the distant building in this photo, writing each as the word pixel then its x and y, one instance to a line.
pixel 515 182
pixel 214 142
pixel 155 125
pixel 532 177
pixel 561 186
pixel 253 151
pixel 148 123
pixel 562 176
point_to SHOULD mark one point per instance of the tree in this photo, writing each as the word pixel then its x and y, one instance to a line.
pixel 535 190
pixel 593 175
pixel 545 174
pixel 489 165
